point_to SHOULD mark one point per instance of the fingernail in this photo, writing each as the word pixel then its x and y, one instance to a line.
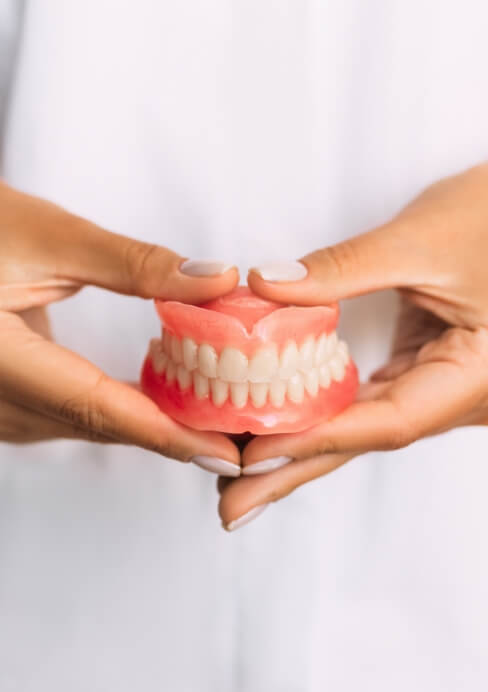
pixel 246 518
pixel 204 267
pixel 265 466
pixel 282 271
pixel 215 465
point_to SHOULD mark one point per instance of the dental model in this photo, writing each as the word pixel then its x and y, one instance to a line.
pixel 244 364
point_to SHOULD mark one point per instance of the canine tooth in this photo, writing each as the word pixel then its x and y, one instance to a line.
pixel 277 391
pixel 200 385
pixel 232 365
pixel 289 360
pixel 259 393
pixel 343 351
pixel 238 393
pixel 306 354
pixel 207 360
pixel 311 380
pixel 331 345
pixel 183 377
pixel 167 342
pixel 176 352
pixel 160 360
pixel 190 350
pixel 324 375
pixel 263 366
pixel 220 391
pixel 337 368
pixel 321 350
pixel 295 388
pixel 170 372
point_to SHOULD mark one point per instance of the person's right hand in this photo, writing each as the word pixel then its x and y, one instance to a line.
pixel 47 391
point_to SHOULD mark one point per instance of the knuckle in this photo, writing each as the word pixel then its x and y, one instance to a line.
pixel 399 435
pixel 86 411
pixel 137 259
pixel 339 260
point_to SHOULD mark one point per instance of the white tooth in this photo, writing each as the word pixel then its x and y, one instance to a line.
pixel 277 391
pixel 200 385
pixel 311 379
pixel 207 360
pixel 295 388
pixel 176 352
pixel 263 366
pixel 183 377
pixel 170 372
pixel 232 365
pixel 306 354
pixel 259 393
pixel 321 350
pixel 167 342
pixel 324 375
pixel 289 360
pixel 238 393
pixel 337 368
pixel 331 345
pixel 220 391
pixel 343 351
pixel 160 360
pixel 190 350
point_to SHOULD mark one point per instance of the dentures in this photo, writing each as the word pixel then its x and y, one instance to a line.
pixel 244 364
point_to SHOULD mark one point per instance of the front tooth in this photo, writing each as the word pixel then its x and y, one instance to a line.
pixel 324 375
pixel 183 377
pixel 331 345
pixel 259 393
pixel 167 342
pixel 160 360
pixel 176 352
pixel 343 352
pixel 277 391
pixel 207 360
pixel 311 379
pixel 220 391
pixel 337 368
pixel 238 393
pixel 289 360
pixel 200 385
pixel 190 350
pixel 232 365
pixel 295 388
pixel 170 372
pixel 321 350
pixel 306 354
pixel 264 365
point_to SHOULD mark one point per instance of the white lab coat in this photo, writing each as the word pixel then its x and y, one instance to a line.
pixel 244 130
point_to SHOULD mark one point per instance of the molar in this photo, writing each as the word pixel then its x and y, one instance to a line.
pixel 263 366
pixel 337 368
pixel 190 353
pixel 232 365
pixel 321 350
pixel 170 372
pixel 324 375
pixel 167 342
pixel 207 360
pixel 343 351
pixel 331 345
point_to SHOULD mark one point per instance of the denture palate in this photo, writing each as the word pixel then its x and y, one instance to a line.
pixel 268 375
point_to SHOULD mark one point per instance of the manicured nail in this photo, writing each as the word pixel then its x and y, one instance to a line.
pixel 266 466
pixel 282 271
pixel 246 518
pixel 204 267
pixel 215 465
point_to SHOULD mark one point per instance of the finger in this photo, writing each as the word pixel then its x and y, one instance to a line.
pixel 242 499
pixel 446 385
pixel 383 258
pixel 56 382
pixel 70 251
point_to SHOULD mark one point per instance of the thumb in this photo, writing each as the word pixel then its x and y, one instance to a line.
pixel 373 261
pixel 51 247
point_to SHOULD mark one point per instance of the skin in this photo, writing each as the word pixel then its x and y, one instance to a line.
pixel 47 391
pixel 434 253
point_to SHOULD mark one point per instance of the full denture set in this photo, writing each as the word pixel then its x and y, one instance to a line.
pixel 244 364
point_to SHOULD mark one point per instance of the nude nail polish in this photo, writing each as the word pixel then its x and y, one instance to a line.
pixel 208 267
pixel 246 518
pixel 215 465
pixel 266 465
pixel 282 271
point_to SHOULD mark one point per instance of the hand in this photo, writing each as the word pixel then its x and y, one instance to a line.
pixel 435 254
pixel 47 391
